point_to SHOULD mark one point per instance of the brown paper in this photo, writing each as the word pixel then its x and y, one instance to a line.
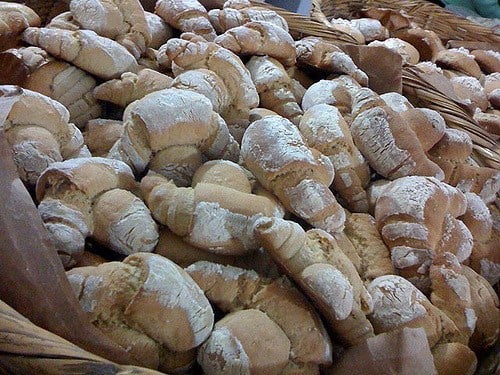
pixel 382 66
pixel 32 276
pixel 402 352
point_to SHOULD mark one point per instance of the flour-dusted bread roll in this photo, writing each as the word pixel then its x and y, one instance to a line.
pixel 427 42
pixel 324 55
pixel 416 217
pixel 397 304
pixel 234 14
pixel 131 86
pixel 275 152
pixel 93 197
pixel 147 304
pixel 451 154
pixel 338 92
pixel 233 289
pixel 14 19
pixel 70 86
pixel 187 16
pixel 169 131
pixel 488 61
pixel 275 87
pixel 317 264
pixel 245 341
pixel 375 257
pixel 459 60
pixel 123 21
pixel 82 48
pixel 209 216
pixel 195 54
pixel 159 29
pixel 324 129
pixel 39 132
pixel 391 147
pixel 258 38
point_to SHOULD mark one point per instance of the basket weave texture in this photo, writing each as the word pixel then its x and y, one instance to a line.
pixel 425 14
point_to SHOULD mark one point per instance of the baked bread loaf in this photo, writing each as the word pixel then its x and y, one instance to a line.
pixel 130 87
pixel 374 255
pixel 69 85
pixel 324 129
pixel 14 19
pixel 170 131
pixel 123 21
pixel 245 341
pixel 397 303
pixel 129 301
pixel 186 16
pixel 416 217
pixel 458 60
pixel 188 55
pixel 324 55
pixel 488 61
pixel 160 31
pixel 82 48
pixel 260 38
pixel 93 197
pixel 275 152
pixel 212 217
pixel 275 87
pixel 316 263
pixel 238 13
pixel 391 148
pixel 427 42
pixel 64 20
pixel 233 289
pixel 38 130
pixel 407 51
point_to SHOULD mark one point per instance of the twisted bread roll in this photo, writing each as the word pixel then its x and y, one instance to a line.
pixel 39 132
pixel 92 197
pixel 260 38
pixel 171 131
pixel 14 19
pixel 82 48
pixel 321 54
pixel 338 92
pixel 64 20
pixel 274 151
pixel 123 21
pixel 237 14
pixel 398 303
pixel 70 86
pixel 212 217
pixel 159 29
pixel 129 301
pixel 375 257
pixel 416 217
pixel 314 260
pixel 324 129
pixel 207 83
pixel 390 146
pixel 233 289
pixel 451 154
pixel 188 55
pixel 451 292
pixel 130 86
pixel 187 16
pixel 275 87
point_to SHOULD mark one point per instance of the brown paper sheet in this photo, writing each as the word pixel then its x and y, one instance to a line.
pixel 382 66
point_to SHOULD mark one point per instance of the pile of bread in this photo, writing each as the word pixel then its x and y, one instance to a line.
pixel 272 213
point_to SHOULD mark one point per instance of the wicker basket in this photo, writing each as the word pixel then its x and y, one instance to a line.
pixel 421 92
pixel 425 14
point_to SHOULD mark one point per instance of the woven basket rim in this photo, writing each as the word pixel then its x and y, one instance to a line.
pixel 427 15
